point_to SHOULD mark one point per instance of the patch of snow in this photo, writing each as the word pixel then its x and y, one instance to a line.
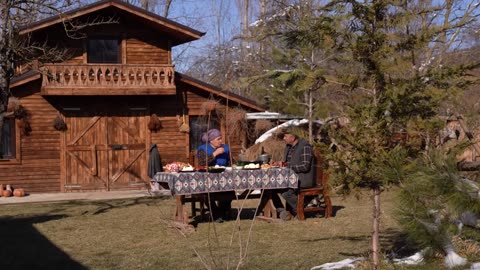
pixel 453 259
pixel 411 260
pixel 475 266
pixel 347 263
pixel 293 122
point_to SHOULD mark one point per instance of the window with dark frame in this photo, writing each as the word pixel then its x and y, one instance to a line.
pixel 103 50
pixel 8 150
pixel 198 126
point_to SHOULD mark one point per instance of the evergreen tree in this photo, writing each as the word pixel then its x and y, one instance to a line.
pixel 391 57
pixel 396 49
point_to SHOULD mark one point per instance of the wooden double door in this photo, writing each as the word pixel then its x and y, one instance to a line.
pixel 105 152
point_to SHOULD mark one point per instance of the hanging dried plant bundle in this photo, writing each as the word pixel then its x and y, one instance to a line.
pixel 262 125
pixel 59 124
pixel 179 121
pixel 13 104
pixel 237 115
pixel 209 106
pixel 185 128
pixel 154 124
pixel 273 146
pixel 236 123
pixel 20 112
pixel 24 126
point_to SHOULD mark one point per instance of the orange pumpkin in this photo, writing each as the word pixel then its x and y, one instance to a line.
pixel 18 192
pixel 7 193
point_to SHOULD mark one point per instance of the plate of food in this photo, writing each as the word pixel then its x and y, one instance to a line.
pixel 265 166
pixel 187 169
pixel 216 169
pixel 251 166
pixel 201 169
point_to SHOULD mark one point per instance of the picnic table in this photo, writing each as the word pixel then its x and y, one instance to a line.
pixel 191 183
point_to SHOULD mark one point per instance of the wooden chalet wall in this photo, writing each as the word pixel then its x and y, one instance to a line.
pixel 106 144
pixel 174 145
pixel 39 167
pixel 195 98
pixel 141 50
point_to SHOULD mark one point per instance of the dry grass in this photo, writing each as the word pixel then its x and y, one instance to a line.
pixel 273 146
pixel 136 234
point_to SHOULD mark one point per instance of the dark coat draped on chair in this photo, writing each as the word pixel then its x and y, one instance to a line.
pixel 154 161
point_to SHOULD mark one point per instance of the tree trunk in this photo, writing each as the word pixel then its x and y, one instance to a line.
pixel 376 228
pixel 310 117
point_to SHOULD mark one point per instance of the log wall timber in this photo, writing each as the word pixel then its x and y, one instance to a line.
pixel 141 52
pixel 39 170
pixel 171 143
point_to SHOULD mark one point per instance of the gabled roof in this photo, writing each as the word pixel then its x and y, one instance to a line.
pixel 218 91
pixel 183 33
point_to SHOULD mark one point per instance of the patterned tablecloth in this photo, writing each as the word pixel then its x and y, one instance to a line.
pixel 203 182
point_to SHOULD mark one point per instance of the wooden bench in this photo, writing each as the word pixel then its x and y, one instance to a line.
pixel 202 200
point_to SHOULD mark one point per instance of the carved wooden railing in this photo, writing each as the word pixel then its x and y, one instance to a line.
pixel 107 76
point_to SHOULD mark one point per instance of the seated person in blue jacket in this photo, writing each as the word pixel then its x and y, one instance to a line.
pixel 213 152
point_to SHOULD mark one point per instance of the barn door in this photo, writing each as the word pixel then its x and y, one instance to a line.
pixel 126 151
pixel 105 152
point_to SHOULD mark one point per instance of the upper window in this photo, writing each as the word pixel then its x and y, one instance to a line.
pixel 7 150
pixel 103 50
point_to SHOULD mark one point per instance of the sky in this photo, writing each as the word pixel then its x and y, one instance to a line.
pixel 219 19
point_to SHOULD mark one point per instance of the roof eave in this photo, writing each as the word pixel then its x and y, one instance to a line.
pixel 189 33
pixel 217 91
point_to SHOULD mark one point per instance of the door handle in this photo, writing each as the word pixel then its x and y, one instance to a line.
pixel 116 146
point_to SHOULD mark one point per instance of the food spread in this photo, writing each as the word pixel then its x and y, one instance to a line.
pixel 252 166
pixel 177 166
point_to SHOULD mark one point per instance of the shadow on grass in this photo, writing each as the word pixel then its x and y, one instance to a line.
pixel 106 205
pixel 24 247
pixel 397 244
pixel 336 208
pixel 249 213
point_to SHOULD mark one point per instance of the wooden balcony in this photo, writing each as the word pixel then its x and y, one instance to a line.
pixel 107 79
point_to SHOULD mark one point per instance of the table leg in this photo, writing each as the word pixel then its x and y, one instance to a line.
pixel 181 214
pixel 269 210
pixel 266 204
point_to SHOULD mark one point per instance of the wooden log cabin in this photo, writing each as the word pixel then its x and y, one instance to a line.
pixel 85 123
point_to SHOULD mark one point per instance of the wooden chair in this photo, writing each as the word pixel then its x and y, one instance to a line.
pixel 321 188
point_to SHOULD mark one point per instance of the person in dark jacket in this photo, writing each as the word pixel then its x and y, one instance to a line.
pixel 300 158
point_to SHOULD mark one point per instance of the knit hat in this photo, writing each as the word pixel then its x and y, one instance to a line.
pixel 211 135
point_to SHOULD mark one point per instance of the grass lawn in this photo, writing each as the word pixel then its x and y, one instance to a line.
pixel 137 234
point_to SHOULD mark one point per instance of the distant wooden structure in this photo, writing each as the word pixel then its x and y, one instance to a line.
pixel 105 93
